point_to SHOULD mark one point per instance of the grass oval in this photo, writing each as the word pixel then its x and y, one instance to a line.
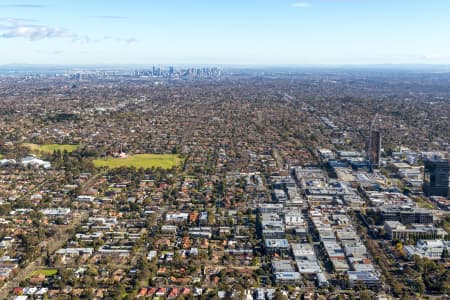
pixel 146 161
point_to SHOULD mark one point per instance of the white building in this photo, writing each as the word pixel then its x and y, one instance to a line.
pixel 431 249
pixel 33 161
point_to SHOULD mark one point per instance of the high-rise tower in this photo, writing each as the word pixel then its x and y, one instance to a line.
pixel 374 146
pixel 374 152
pixel 435 179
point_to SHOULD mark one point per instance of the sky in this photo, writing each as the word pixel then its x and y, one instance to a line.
pixel 239 32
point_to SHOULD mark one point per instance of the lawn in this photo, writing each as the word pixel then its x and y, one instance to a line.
pixel 146 161
pixel 423 203
pixel 446 226
pixel 46 272
pixel 1 156
pixel 49 148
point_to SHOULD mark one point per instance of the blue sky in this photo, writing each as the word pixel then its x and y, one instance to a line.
pixel 224 31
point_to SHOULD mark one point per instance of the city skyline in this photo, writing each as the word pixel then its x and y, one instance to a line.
pixel 225 32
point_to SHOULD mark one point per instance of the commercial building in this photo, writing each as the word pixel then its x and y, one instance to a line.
pixel 374 150
pixel 73 252
pixel 282 266
pixel 276 245
pixel 271 208
pixel 407 215
pixel 287 277
pixel 435 181
pixel 432 249
pixel 368 279
pixel 397 231
pixel 305 258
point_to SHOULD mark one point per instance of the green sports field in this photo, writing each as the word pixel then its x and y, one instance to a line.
pixel 46 272
pixel 49 148
pixel 146 161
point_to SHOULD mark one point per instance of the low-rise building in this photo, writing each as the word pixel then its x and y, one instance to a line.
pixel 432 249
pixel 368 279
pixel 397 231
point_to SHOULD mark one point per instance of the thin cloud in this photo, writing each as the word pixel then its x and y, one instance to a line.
pixel 33 32
pixel 11 28
pixel 110 17
pixel 17 20
pixel 128 41
pixel 24 5
pixel 120 40
pixel 301 5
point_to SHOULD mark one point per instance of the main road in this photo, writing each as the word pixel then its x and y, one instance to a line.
pixel 63 234
pixel 59 239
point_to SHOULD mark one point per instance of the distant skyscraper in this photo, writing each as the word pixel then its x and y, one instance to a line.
pixel 435 180
pixel 374 149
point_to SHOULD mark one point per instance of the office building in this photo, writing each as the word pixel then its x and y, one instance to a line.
pixel 435 181
pixel 374 151
pixel 407 215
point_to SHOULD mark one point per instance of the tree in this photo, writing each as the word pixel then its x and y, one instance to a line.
pixel 118 292
pixel 210 252
pixel 420 285
pixel 88 294
pixel 365 295
pixel 211 218
pixel 280 296
pixel 397 288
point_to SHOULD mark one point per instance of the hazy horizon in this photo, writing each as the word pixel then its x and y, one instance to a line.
pixel 249 33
